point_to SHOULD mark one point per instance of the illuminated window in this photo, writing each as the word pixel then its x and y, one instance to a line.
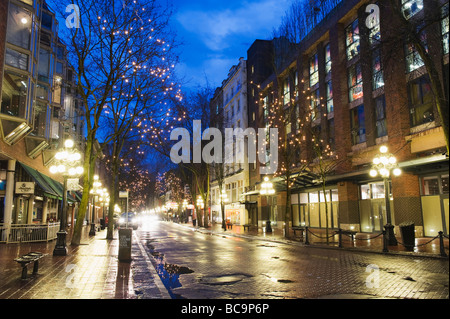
pixel 377 70
pixel 355 82
pixel 313 70
pixel 315 105
pixel 352 40
pixel 330 106
pixel 19 26
pixel 286 92
pixel 327 59
pixel 444 29
pixel 14 94
pixel 411 7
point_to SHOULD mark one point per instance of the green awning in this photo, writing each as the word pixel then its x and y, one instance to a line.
pixel 51 188
pixel 58 187
pixel 46 187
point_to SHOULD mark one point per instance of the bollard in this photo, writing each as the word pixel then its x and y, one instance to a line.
pixel 441 244
pixel 340 238
pixel 385 242
pixel 306 236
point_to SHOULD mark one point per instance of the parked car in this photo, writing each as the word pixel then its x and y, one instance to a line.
pixel 133 220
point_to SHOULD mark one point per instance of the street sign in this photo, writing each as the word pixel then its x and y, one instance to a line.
pixel 123 194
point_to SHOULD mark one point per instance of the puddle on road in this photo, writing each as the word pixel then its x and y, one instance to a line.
pixel 169 273
pixel 223 279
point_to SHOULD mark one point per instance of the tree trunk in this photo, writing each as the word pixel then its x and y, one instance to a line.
pixel 87 178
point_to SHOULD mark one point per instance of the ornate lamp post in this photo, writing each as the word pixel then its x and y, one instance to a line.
pixel 66 163
pixel 223 199
pixel 96 190
pixel 384 164
pixel 200 203
pixel 104 198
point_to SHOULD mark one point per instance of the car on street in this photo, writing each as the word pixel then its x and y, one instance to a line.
pixel 133 220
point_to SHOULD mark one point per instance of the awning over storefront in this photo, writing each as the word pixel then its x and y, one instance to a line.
pixel 50 187
pixel 48 190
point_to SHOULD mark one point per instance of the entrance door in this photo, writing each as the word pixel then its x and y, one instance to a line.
pixel 378 214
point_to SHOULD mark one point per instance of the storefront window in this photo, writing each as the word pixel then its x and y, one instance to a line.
pixel 434 200
pixel 444 181
pixel 352 40
pixel 430 185
pixel 355 83
pixel 14 94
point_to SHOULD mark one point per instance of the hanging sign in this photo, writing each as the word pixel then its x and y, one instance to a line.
pixel 24 188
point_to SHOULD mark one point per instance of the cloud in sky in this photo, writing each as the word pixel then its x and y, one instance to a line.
pixel 215 26
pixel 217 33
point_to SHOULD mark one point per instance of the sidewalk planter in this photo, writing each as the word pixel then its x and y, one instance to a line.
pixel 408 235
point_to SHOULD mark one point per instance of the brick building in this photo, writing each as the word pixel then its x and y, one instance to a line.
pixel 361 90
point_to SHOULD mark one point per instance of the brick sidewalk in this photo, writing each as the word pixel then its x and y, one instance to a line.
pixel 89 271
pixel 371 242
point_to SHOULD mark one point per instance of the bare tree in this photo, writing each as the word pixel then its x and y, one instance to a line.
pixel 112 44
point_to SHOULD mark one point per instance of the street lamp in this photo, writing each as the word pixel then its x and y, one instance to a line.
pixel 95 190
pixel 104 198
pixel 267 189
pixel 384 164
pixel 223 199
pixel 67 164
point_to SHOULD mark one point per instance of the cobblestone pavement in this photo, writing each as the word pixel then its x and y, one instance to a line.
pixel 202 264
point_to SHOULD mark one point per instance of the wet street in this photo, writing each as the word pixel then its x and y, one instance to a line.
pixel 196 265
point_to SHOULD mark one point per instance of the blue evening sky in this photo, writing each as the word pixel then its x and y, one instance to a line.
pixel 216 33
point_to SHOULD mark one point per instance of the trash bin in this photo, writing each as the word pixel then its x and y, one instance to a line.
pixel 408 235
pixel 125 244
pixel 102 223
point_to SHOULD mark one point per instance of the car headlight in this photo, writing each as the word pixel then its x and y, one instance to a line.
pixel 121 220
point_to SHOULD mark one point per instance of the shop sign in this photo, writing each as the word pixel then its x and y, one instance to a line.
pixel 24 188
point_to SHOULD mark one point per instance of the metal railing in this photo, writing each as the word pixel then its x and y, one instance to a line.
pixel 385 240
pixel 25 233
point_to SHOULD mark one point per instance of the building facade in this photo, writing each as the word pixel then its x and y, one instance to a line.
pixel 360 91
pixel 39 109
pixel 231 110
